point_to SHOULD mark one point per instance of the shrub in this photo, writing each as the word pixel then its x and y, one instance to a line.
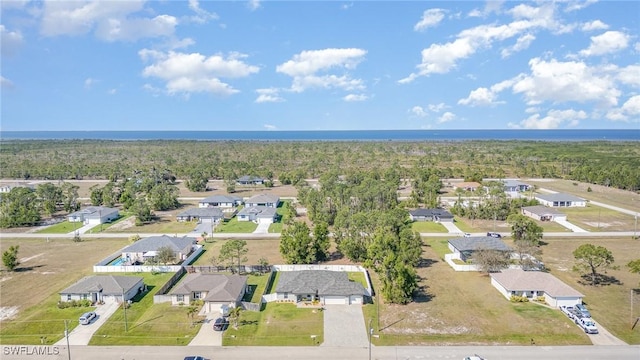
pixel 516 298
pixel 74 303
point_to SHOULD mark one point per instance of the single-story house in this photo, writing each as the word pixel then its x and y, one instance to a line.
pixel 214 289
pixel 436 215
pixel 250 180
pixel 94 215
pixel 327 287
pixel 207 215
pixel 533 284
pixel 147 248
pixel 466 185
pixel 221 201
pixel 104 288
pixel 258 214
pixel 561 200
pixel 464 247
pixel 543 213
pixel 263 200
pixel 515 186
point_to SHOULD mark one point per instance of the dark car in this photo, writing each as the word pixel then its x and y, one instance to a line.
pixel 494 234
pixel 193 358
pixel 220 324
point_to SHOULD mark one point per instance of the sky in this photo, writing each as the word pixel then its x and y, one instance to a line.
pixel 319 65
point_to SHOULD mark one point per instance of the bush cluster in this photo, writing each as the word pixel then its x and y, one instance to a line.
pixel 516 298
pixel 74 303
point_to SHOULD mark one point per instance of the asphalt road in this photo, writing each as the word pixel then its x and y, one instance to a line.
pixel 11 352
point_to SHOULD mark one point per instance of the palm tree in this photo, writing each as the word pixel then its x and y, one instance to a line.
pixel 234 315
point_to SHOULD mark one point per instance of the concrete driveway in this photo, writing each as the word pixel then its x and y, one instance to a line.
pixel 262 229
pixel 207 336
pixel 83 333
pixel 344 326
pixel 604 337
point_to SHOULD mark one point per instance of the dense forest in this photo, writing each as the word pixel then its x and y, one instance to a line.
pixel 615 164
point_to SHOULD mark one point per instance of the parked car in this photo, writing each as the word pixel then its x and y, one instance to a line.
pixel 87 318
pixel 474 357
pixel 587 325
pixel 494 235
pixel 220 324
pixel 583 310
pixel 467 235
pixel 569 311
pixel 193 358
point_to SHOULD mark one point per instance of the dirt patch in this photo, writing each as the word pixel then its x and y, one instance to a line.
pixel 8 312
pixel 25 259
pixel 124 224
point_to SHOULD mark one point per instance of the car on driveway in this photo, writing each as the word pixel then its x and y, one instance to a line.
pixel 587 325
pixel 87 318
pixel 474 357
pixel 220 324
pixel 494 235
pixel 583 310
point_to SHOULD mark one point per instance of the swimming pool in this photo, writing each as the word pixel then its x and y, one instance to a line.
pixel 117 262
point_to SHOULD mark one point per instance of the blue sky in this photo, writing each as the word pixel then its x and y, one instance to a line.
pixel 330 65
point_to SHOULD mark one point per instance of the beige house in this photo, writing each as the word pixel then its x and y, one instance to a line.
pixel 214 289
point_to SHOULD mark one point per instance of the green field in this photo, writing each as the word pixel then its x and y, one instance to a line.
pixel 64 227
pixel 235 226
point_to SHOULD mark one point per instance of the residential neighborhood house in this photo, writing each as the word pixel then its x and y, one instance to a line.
pixel 326 287
pixel 221 201
pixel 533 284
pixel 543 213
pixel 258 214
pixel 211 215
pixel 560 200
pixel 464 247
pixel 104 288
pixel 214 289
pixel 250 180
pixel 267 200
pixel 514 187
pixel 94 215
pixel 467 186
pixel 435 215
pixel 147 248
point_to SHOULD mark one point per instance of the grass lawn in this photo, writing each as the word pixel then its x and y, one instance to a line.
pixel 61 228
pixel 596 218
pixel 162 226
pixel 428 227
pixel 105 227
pixel 257 285
pixel 235 226
pixel 277 325
pixel 47 267
pixel 258 248
pixel 148 324
pixel 275 228
pixel 358 277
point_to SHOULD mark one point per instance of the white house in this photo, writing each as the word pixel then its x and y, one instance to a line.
pixel 221 201
pixel 214 289
pixel 436 215
pixel 514 187
pixel 250 180
pixel 543 213
pixel 211 215
pixel 464 247
pixel 263 200
pixel 94 215
pixel 104 288
pixel 258 214
pixel 147 248
pixel 560 200
pixel 533 284
pixel 327 287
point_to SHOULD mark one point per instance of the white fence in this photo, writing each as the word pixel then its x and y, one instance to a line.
pixel 102 266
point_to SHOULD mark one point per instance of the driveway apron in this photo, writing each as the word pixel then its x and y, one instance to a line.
pixel 207 336
pixel 344 326
pixel 83 333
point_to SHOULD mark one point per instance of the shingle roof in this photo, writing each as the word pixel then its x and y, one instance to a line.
pixel 478 242
pixel 511 183
pixel 542 210
pixel 558 197
pixel 108 284
pixel 262 199
pixel 247 178
pixel 220 288
pixel 520 280
pixel 431 212
pixel 221 199
pixel 154 243
pixel 213 212
pixel 259 211
pixel 322 282
pixel 93 210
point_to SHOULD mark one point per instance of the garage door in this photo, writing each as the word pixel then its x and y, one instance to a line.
pixel 335 300
pixel 214 308
pixel 265 220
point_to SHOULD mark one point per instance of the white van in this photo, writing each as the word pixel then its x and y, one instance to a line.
pixel 87 318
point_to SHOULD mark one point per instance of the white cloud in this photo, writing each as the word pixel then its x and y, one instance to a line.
pixel 594 25
pixel 202 16
pixel 5 83
pixel 253 5
pixel 522 43
pixel 10 41
pixel 578 5
pixel 269 127
pixel 437 107
pixel 110 20
pixel 430 18
pixel 479 97
pixel 566 81
pixel 89 82
pixel 13 4
pixel 630 108
pixel 418 111
pixel 630 75
pixel 553 120
pixel 193 72
pixel 494 6
pixel 112 91
pixel 446 117
pixel 355 97
pixel 305 66
pixel 268 95
pixel 609 42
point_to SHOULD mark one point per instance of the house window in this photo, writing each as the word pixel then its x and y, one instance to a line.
pixel 197 295
pixel 180 298
pixel 286 295
pixel 85 296
pixel 68 297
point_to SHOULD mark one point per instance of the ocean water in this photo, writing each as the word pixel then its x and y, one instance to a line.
pixel 337 135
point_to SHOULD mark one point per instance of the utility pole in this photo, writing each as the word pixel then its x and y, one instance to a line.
pixel 124 306
pixel 66 335
pixel 370 333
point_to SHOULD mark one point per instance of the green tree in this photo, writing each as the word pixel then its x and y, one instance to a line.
pixel 296 246
pixel 590 258
pixel 49 196
pixel 489 260
pixel 163 197
pixel 10 257
pixel 233 252
pixel 234 315
pixel 165 255
pixel 525 228
pixel 70 197
pixel 142 211
pixel 197 181
pixel 634 266
pixel 321 243
pixel 19 207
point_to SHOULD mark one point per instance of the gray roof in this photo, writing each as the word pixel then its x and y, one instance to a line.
pixel 542 210
pixel 558 197
pixel 221 199
pixel 322 282
pixel 93 210
pixel 259 211
pixel 212 212
pixel 262 199
pixel 478 242
pixel 431 212
pixel 520 280
pixel 107 284
pixel 510 183
pixel 247 178
pixel 220 288
pixel 154 243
